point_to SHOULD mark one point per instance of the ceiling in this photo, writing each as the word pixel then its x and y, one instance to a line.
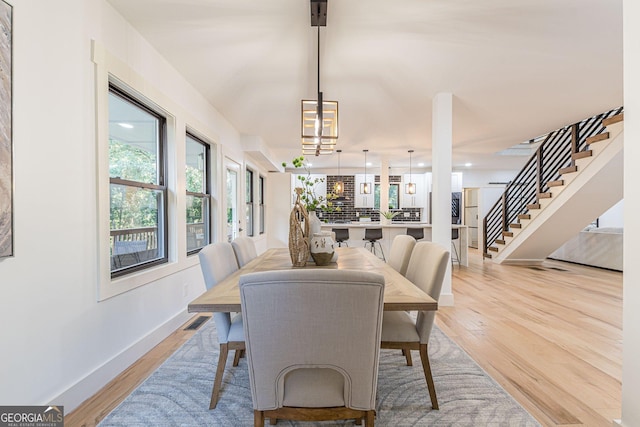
pixel 516 69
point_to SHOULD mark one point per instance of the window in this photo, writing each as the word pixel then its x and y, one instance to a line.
pixel 394 201
pixel 198 194
pixel 138 192
pixel 249 201
pixel 261 202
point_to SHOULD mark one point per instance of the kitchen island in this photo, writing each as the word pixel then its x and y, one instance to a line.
pixel 390 231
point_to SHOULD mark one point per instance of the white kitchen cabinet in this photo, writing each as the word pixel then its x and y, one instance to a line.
pixel 363 200
pixel 456 182
pixel 423 186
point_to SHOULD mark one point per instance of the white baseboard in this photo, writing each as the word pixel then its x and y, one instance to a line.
pixel 445 300
pixel 72 397
pixel 617 423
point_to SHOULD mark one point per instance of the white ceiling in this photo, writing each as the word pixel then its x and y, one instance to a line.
pixel 517 68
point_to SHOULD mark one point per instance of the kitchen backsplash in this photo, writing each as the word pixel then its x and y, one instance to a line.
pixel 348 211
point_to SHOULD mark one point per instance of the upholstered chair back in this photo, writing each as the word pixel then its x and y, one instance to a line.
pixel 400 253
pixel 217 261
pixel 426 269
pixel 312 337
pixel 244 249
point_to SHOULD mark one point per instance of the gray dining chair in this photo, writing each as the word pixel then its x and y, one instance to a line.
pixel 426 270
pixel 244 249
pixel 295 322
pixel 218 261
pixel 400 252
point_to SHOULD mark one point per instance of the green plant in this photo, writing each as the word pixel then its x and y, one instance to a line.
pixel 389 214
pixel 311 200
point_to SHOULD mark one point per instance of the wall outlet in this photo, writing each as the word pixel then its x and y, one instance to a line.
pixel 407 214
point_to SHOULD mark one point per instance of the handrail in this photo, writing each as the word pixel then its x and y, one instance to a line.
pixel 553 154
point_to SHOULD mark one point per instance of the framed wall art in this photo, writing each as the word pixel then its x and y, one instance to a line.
pixel 6 132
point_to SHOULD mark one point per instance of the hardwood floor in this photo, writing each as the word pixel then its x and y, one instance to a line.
pixel 550 335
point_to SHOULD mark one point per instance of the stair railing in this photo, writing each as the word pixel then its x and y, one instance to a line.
pixel 552 156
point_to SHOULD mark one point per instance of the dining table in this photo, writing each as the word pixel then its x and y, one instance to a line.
pixel 400 294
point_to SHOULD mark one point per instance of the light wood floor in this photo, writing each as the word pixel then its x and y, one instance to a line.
pixel 551 336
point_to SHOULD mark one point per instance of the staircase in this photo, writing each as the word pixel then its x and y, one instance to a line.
pixel 575 176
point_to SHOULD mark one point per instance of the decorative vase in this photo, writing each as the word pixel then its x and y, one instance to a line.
pixel 385 220
pixel 299 233
pixel 315 225
pixel 322 248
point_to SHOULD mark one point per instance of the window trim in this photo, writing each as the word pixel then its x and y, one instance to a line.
pixel 133 98
pixel 207 187
pixel 261 206
pixel 249 177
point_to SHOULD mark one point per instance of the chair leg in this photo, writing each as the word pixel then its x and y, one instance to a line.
pixel 381 251
pixel 217 383
pixel 453 243
pixel 237 356
pixel 369 419
pixel 407 354
pixel 273 421
pixel 258 418
pixel 358 421
pixel 424 356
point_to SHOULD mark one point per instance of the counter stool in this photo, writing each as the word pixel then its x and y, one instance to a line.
pixel 372 235
pixel 455 235
pixel 342 235
pixel 416 233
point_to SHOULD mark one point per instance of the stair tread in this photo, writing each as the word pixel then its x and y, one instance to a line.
pixel 500 241
pixel 493 249
pixel 524 216
pixel 507 233
pixel 515 225
pixel 582 154
pixel 544 195
pixel 613 119
pixel 533 206
pixel 487 255
pixel 568 169
pixel 596 138
pixel 558 183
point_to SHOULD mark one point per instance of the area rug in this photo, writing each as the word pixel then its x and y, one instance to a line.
pixel 178 392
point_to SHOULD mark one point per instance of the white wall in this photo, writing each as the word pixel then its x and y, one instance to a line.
pixel 631 294
pixel 614 217
pixel 59 345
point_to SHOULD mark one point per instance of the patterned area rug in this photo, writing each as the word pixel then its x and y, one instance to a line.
pixel 178 392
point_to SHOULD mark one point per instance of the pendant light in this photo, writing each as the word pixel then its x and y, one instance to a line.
pixel 319 116
pixel 338 188
pixel 410 187
pixel 365 187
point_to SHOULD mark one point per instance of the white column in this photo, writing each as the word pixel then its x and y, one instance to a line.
pixel 384 185
pixel 441 142
pixel 631 244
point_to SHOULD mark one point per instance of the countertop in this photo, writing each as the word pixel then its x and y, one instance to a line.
pixel 356 224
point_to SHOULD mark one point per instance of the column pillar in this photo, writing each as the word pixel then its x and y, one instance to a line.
pixel 384 184
pixel 441 143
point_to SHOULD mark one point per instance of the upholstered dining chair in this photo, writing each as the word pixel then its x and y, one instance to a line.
pixel 400 252
pixel 244 249
pixel 218 261
pixel 426 270
pixel 295 323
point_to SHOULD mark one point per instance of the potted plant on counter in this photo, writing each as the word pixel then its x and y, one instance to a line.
pixel 387 216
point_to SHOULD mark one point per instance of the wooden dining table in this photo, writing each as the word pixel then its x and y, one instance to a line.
pixel 399 292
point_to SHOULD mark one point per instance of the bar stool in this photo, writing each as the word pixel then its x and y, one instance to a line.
pixel 342 235
pixel 416 233
pixel 455 235
pixel 372 235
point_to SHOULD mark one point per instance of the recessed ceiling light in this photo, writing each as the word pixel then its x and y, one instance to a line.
pixel 420 164
pixel 467 164
pixel 369 163
pixel 126 125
